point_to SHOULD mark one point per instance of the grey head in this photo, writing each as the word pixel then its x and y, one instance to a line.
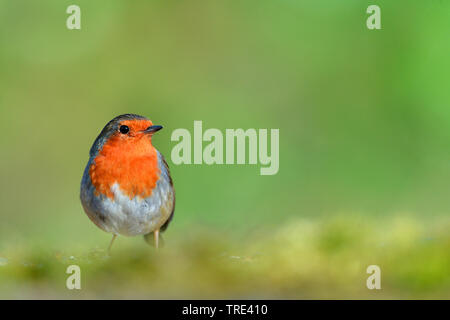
pixel 110 128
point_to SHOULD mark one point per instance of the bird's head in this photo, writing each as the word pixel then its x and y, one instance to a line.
pixel 128 133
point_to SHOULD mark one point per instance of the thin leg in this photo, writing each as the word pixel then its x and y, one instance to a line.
pixel 111 243
pixel 156 236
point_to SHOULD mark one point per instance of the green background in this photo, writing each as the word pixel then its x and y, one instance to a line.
pixel 364 120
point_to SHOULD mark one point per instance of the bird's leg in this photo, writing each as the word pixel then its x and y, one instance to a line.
pixel 111 243
pixel 156 237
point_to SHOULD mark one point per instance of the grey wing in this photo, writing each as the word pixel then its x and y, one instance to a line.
pixel 166 167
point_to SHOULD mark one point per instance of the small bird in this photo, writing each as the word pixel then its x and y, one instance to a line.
pixel 126 187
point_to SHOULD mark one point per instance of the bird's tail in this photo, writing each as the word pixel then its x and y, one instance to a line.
pixel 150 239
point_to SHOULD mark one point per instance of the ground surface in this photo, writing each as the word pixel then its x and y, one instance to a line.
pixel 302 259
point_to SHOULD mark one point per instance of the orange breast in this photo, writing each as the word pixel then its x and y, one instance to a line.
pixel 132 163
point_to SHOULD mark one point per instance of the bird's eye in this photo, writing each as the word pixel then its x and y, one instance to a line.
pixel 124 129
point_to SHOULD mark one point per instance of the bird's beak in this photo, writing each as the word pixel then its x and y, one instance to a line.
pixel 152 129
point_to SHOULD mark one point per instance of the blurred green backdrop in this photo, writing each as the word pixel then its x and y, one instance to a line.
pixel 364 116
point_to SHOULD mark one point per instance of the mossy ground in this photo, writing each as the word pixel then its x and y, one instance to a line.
pixel 301 259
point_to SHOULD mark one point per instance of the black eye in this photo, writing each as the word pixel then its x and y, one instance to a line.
pixel 124 129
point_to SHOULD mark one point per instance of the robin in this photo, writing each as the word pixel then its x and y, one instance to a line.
pixel 126 187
